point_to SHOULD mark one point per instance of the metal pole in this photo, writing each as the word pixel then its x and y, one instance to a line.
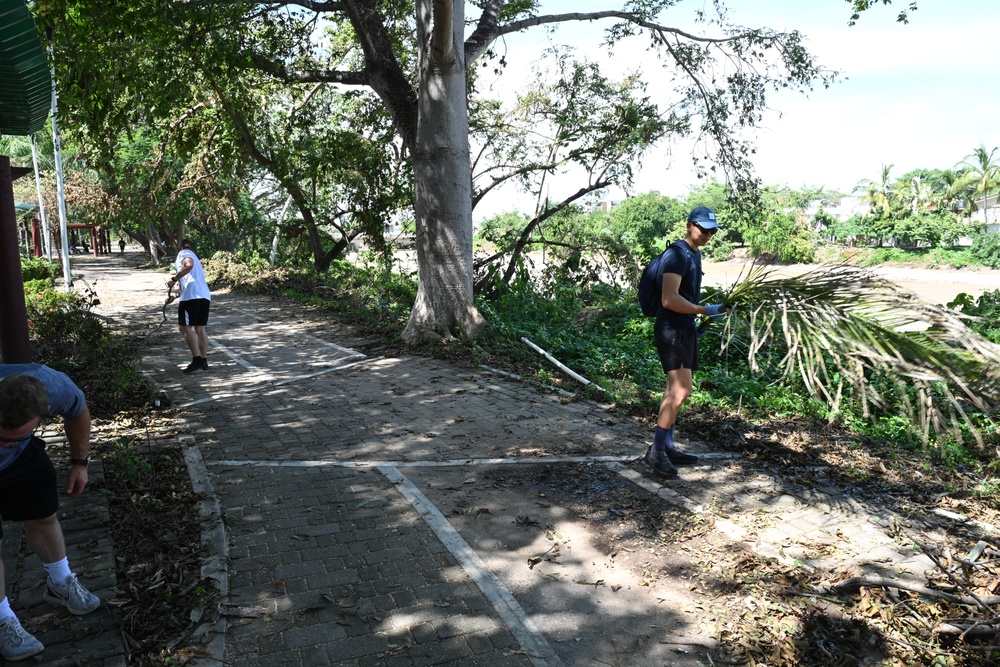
pixel 46 233
pixel 60 190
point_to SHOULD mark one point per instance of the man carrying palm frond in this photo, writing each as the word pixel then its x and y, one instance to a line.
pixel 676 335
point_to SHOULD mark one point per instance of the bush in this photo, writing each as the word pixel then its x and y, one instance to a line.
pixel 39 269
pixel 67 337
pixel 357 292
pixel 783 238
pixel 986 249
pixel 985 310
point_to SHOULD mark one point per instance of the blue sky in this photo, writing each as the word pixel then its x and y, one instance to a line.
pixel 924 94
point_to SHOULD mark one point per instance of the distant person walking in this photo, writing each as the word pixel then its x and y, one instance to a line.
pixel 195 299
pixel 121 244
pixel 676 336
pixel 29 393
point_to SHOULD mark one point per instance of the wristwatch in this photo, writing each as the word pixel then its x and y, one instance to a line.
pixel 80 462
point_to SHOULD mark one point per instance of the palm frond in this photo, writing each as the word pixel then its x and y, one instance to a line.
pixel 845 328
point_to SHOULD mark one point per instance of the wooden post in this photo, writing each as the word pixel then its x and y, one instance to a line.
pixel 14 345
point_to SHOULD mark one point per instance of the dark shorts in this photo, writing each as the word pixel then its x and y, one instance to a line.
pixel 28 486
pixel 193 312
pixel 678 348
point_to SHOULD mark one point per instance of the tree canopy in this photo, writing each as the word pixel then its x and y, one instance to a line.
pixel 358 110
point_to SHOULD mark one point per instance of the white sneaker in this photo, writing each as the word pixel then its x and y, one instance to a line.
pixel 72 595
pixel 16 643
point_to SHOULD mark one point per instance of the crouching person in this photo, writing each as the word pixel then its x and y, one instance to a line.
pixel 29 393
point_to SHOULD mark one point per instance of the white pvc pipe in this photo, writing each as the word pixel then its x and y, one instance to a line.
pixel 60 189
pixel 277 230
pixel 46 233
pixel 576 376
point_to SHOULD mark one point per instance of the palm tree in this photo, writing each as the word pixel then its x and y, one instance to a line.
pixel 949 191
pixel 878 194
pixel 880 198
pixel 981 170
pixel 916 193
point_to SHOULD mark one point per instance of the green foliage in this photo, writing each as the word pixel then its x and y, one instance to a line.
pixel 66 336
pixel 843 231
pixel 784 197
pixel 369 293
pixel 986 249
pixel 782 237
pixel 643 220
pixel 600 334
pixel 864 5
pixel 39 269
pixel 502 229
pixel 985 312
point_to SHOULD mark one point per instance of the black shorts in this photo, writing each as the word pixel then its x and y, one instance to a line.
pixel 193 312
pixel 678 348
pixel 28 486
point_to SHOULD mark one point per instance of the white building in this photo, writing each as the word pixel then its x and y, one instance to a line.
pixel 844 209
pixel 988 211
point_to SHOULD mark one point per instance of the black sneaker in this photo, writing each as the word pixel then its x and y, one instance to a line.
pixel 660 464
pixel 204 363
pixel 679 458
pixel 195 365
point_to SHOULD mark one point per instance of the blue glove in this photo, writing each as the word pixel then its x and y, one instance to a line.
pixel 714 311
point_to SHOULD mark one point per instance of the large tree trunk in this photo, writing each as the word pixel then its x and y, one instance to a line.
pixel 443 180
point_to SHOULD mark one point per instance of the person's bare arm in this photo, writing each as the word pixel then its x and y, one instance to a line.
pixel 78 434
pixel 672 300
pixel 187 264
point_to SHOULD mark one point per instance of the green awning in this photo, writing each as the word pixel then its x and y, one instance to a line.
pixel 25 82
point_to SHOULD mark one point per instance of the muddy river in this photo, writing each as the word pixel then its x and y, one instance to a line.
pixel 933 285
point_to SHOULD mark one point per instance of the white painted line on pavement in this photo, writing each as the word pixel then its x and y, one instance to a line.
pixel 322 372
pixel 215 559
pixel 240 360
pixel 521 626
pixel 420 464
pixel 345 350
pixel 729 528
pixel 656 488
pixel 270 383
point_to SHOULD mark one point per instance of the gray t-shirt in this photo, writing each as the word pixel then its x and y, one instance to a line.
pixel 65 399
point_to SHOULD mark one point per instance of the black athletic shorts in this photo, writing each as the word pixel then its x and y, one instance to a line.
pixel 28 486
pixel 193 312
pixel 678 348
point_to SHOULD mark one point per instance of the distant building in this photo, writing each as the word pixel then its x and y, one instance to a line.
pixel 843 209
pixel 609 204
pixel 987 209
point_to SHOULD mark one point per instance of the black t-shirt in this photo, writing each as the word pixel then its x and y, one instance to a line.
pixel 685 262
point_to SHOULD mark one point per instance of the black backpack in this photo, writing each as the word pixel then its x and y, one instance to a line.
pixel 651 283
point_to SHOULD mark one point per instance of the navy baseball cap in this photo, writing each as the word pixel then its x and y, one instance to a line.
pixel 704 217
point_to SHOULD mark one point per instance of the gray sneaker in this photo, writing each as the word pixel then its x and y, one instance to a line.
pixel 16 643
pixel 72 595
